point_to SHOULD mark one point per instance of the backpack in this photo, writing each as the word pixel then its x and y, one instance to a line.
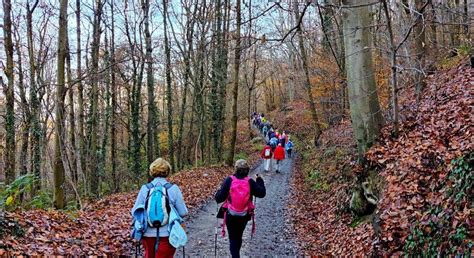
pixel 268 153
pixel 157 204
pixel 273 142
pixel 239 202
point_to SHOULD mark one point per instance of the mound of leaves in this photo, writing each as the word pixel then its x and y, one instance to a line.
pixel 321 189
pixel 102 228
pixel 418 200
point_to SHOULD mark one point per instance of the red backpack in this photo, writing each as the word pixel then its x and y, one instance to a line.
pixel 239 202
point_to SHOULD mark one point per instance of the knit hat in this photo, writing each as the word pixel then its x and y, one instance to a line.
pixel 159 168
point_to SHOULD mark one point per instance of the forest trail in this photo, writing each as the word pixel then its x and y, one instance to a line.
pixel 273 237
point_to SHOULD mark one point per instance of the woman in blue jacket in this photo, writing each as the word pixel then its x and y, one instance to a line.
pixel 159 170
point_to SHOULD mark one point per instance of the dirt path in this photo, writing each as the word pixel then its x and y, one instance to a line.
pixel 273 236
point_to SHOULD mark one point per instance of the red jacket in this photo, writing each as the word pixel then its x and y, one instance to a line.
pixel 279 153
pixel 263 152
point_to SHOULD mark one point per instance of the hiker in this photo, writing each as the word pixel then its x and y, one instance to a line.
pixel 271 134
pixel 267 154
pixel 289 147
pixel 282 139
pixel 237 192
pixel 264 131
pixel 156 235
pixel 273 142
pixel 279 155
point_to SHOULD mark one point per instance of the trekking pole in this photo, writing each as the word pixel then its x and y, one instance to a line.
pixel 184 252
pixel 215 231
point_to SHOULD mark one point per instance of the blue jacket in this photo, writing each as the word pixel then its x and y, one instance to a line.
pixel 175 197
pixel 289 145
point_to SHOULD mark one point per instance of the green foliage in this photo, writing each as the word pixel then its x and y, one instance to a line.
pixel 317 181
pixel 9 197
pixel 356 221
pixel 257 147
pixel 42 200
pixel 462 177
pixel 440 232
pixel 241 155
pixel 464 49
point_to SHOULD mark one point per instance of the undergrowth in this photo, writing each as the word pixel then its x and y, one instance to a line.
pixel 443 232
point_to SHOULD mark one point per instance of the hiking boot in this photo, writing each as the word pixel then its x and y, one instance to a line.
pixel 278 171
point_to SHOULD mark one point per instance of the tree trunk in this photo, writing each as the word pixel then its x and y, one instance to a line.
pixel 93 170
pixel 34 101
pixel 151 123
pixel 102 154
pixel 393 63
pixel 169 96
pixel 59 199
pixel 72 118
pixel 216 80
pixel 364 105
pixel 9 93
pixel 80 98
pixel 25 130
pixel 187 73
pixel 113 131
pixel 304 59
pixel 419 31
pixel 235 89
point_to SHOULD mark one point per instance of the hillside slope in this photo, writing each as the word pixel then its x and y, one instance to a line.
pixel 422 206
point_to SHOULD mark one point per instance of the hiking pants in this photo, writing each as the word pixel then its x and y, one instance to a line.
pixel 235 227
pixel 289 152
pixel 268 164
pixel 165 249
pixel 278 165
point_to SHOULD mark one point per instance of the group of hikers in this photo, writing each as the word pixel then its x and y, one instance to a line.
pixel 278 144
pixel 159 208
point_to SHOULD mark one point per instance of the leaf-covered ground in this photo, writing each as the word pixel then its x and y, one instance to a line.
pixel 416 165
pixel 103 227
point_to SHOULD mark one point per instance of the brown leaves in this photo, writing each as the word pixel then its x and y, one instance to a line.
pixel 416 164
pixel 103 227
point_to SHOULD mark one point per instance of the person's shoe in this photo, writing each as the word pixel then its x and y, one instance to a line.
pixel 278 171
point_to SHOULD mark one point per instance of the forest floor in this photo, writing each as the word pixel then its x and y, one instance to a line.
pixel 273 236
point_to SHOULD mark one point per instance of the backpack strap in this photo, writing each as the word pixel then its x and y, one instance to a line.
pixel 168 185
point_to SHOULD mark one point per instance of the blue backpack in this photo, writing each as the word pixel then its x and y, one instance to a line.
pixel 157 205
pixel 273 142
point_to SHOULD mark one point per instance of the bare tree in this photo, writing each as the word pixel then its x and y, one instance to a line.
pixel 235 88
pixel 59 199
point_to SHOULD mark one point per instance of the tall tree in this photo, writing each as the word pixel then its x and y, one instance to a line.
pixel 217 77
pixel 9 93
pixel 34 99
pixel 72 118
pixel 25 107
pixel 307 82
pixel 187 51
pixel 94 97
pixel 81 153
pixel 59 200
pixel 113 128
pixel 169 96
pixel 235 88
pixel 364 105
pixel 420 46
pixel 152 114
